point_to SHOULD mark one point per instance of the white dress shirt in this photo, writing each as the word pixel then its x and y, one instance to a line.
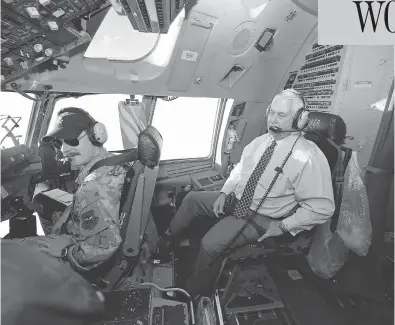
pixel 306 180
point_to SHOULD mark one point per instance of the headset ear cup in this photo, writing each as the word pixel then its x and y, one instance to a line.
pixel 91 135
pixel 295 121
pixel 303 120
pixel 99 133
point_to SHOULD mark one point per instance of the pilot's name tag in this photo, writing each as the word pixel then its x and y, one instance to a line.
pixel 189 55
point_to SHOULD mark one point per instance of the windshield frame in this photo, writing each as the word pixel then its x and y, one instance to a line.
pixel 221 104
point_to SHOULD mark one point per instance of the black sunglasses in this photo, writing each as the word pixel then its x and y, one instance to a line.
pixel 71 142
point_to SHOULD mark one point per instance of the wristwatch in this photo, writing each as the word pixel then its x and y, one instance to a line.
pixel 282 227
pixel 64 253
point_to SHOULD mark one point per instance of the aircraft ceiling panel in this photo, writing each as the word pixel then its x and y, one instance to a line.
pixel 15 29
pixel 237 28
pixel 47 12
pixel 34 32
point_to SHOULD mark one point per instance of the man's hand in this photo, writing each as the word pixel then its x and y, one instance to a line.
pixel 272 231
pixel 59 219
pixel 218 206
pixel 53 244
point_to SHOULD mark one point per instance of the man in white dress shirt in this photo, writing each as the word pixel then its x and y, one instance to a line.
pixel 305 182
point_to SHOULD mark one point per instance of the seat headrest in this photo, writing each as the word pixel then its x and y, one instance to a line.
pixel 150 146
pixel 327 125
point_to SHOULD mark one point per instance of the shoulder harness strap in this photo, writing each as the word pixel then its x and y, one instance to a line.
pixel 124 157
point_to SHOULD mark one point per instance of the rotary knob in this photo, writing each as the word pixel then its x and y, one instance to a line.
pixel 38 47
pixel 48 52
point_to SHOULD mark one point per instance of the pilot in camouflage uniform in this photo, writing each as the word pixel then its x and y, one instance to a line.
pixel 93 223
pixel 87 233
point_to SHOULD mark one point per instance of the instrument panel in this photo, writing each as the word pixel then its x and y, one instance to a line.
pixel 317 77
pixel 33 32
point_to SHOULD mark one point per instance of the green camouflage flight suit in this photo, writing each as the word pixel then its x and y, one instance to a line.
pixel 92 221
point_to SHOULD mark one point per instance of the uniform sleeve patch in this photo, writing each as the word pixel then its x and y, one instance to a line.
pixel 88 220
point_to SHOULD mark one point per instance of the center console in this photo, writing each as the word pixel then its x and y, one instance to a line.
pixel 208 180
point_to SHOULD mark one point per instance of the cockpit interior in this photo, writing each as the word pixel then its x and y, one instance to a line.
pixel 183 87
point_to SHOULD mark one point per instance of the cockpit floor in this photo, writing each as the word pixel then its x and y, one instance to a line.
pixel 307 299
pixel 313 301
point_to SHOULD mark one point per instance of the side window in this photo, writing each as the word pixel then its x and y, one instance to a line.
pixel 103 108
pixel 14 119
pixel 187 125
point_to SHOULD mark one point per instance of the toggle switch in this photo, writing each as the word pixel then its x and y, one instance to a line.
pixel 59 13
pixel 33 12
pixel 53 25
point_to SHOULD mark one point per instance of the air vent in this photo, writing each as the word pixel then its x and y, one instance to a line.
pixel 242 38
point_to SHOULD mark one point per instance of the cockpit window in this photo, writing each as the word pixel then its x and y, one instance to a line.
pixel 14 119
pixel 103 108
pixel 187 125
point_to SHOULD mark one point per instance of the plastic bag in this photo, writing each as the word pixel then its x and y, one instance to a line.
pixel 327 253
pixel 354 226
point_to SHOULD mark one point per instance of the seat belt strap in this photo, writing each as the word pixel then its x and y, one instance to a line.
pixel 123 158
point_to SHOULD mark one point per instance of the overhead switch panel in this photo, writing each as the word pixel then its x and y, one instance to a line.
pixel 150 16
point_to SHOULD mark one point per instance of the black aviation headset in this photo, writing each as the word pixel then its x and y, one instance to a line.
pixel 301 118
pixel 97 131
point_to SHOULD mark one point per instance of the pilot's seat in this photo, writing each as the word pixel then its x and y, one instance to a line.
pixel 328 132
pixel 135 205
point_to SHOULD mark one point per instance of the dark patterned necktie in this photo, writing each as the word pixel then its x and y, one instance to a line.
pixel 244 204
